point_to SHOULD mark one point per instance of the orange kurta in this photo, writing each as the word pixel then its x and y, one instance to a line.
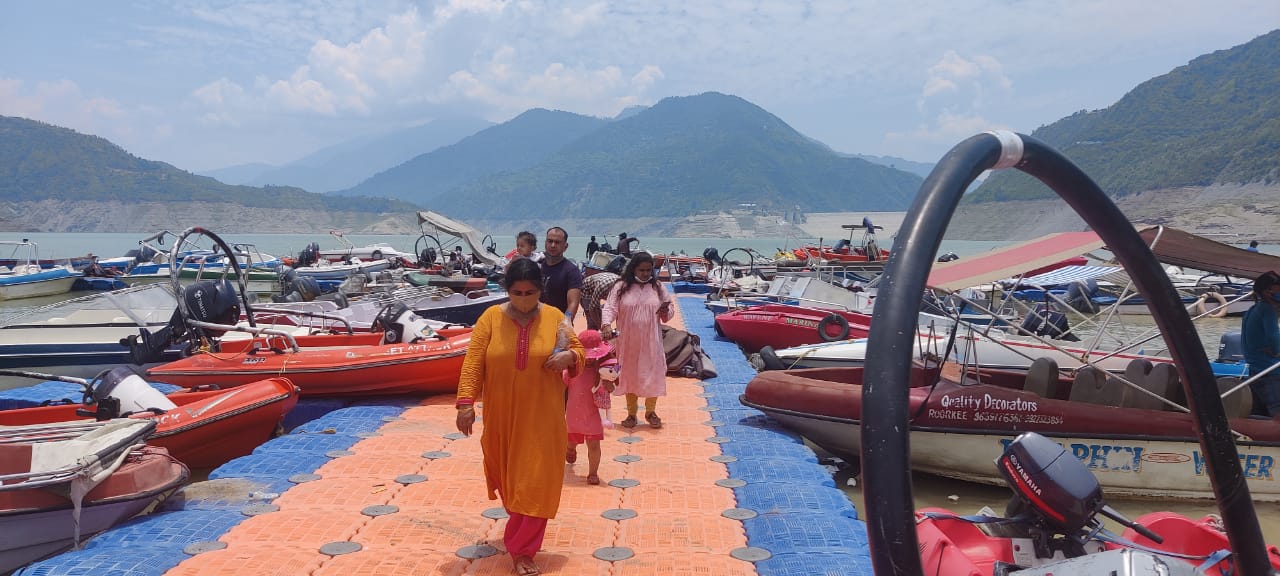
pixel 523 428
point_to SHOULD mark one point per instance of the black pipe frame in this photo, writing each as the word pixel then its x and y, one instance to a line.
pixel 885 446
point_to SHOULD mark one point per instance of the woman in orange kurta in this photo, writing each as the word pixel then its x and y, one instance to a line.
pixel 514 363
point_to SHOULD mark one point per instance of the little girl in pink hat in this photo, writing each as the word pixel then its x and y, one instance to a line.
pixel 582 413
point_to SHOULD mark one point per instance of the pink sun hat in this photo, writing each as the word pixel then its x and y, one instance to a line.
pixel 594 344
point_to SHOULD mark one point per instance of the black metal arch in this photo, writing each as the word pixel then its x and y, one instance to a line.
pixel 885 447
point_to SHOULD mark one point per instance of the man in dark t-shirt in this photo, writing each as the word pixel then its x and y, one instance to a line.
pixel 592 246
pixel 561 278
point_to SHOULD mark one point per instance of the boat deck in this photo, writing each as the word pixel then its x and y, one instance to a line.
pixel 389 487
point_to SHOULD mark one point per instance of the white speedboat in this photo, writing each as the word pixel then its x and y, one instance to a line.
pixel 26 279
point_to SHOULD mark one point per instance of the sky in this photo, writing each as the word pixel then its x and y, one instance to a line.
pixel 206 84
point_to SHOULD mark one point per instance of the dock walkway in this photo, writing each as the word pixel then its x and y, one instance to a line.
pixel 388 486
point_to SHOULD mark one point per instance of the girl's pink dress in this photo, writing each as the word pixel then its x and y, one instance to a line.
pixel 582 418
pixel 641 359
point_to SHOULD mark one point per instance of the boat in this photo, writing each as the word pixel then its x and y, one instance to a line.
pixel 894 545
pixel 1054 515
pixel 150 264
pixel 785 326
pixel 865 252
pixel 62 483
pixel 962 418
pixel 407 356
pixel 310 264
pixel 202 428
pixel 369 252
pixel 27 279
pixel 80 337
pixel 480 248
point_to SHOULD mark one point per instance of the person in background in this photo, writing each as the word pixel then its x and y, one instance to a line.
pixel 624 245
pixel 1260 338
pixel 514 367
pixel 592 246
pixel 637 305
pixel 1253 246
pixel 561 278
pixel 582 415
pixel 595 288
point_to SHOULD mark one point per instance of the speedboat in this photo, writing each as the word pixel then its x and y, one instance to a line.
pixel 407 356
pixel 63 482
pixel 201 428
pixel 784 326
pixel 81 337
pixel 27 279
pixel 376 251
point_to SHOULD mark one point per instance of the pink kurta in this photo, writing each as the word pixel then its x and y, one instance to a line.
pixel 641 359
pixel 581 414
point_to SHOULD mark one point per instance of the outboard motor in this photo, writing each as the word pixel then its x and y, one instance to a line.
pixel 712 256
pixel 309 255
pixel 211 301
pixel 1043 321
pixel 427 257
pixel 122 391
pixel 842 246
pixel 400 325
pixel 1080 296
pixel 948 257
pixel 1230 348
pixel 299 289
pixel 616 265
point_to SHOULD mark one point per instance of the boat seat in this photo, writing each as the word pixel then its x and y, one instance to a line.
pixel 1093 386
pixel 1159 379
pixel 1239 404
pixel 1042 378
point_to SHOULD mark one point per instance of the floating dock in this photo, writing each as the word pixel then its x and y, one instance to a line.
pixel 389 487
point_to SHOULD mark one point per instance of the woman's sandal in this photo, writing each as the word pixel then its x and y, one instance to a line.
pixel 593 479
pixel 653 420
pixel 526 567
pixel 629 421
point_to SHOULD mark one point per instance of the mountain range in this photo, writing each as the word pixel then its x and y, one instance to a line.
pixel 1212 125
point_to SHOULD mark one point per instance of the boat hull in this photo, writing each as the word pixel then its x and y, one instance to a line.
pixel 46 283
pixel 328 365
pixel 957 431
pixel 206 429
pixel 783 326
pixel 35 523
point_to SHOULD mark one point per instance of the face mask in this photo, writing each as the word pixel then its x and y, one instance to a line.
pixel 1275 297
pixel 524 304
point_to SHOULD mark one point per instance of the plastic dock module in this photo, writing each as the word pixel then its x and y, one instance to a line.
pixel 388 486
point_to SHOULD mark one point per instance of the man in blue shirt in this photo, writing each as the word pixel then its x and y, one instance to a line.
pixel 1260 338
pixel 561 278
pixel 1253 246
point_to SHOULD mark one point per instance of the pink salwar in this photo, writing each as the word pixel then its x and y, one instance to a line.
pixel 524 534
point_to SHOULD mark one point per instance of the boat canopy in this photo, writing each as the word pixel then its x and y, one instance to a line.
pixel 1011 261
pixel 1181 248
pixel 469 235
pixel 1070 274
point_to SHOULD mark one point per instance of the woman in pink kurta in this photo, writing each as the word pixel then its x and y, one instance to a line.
pixel 514 365
pixel 637 306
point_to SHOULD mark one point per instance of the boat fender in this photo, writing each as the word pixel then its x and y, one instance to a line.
pixel 770 359
pixel 1218 312
pixel 824 328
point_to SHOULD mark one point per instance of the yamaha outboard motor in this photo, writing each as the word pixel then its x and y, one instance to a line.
pixel 309 255
pixel 211 301
pixel 299 289
pixel 1080 294
pixel 399 324
pixel 1230 349
pixel 1044 321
